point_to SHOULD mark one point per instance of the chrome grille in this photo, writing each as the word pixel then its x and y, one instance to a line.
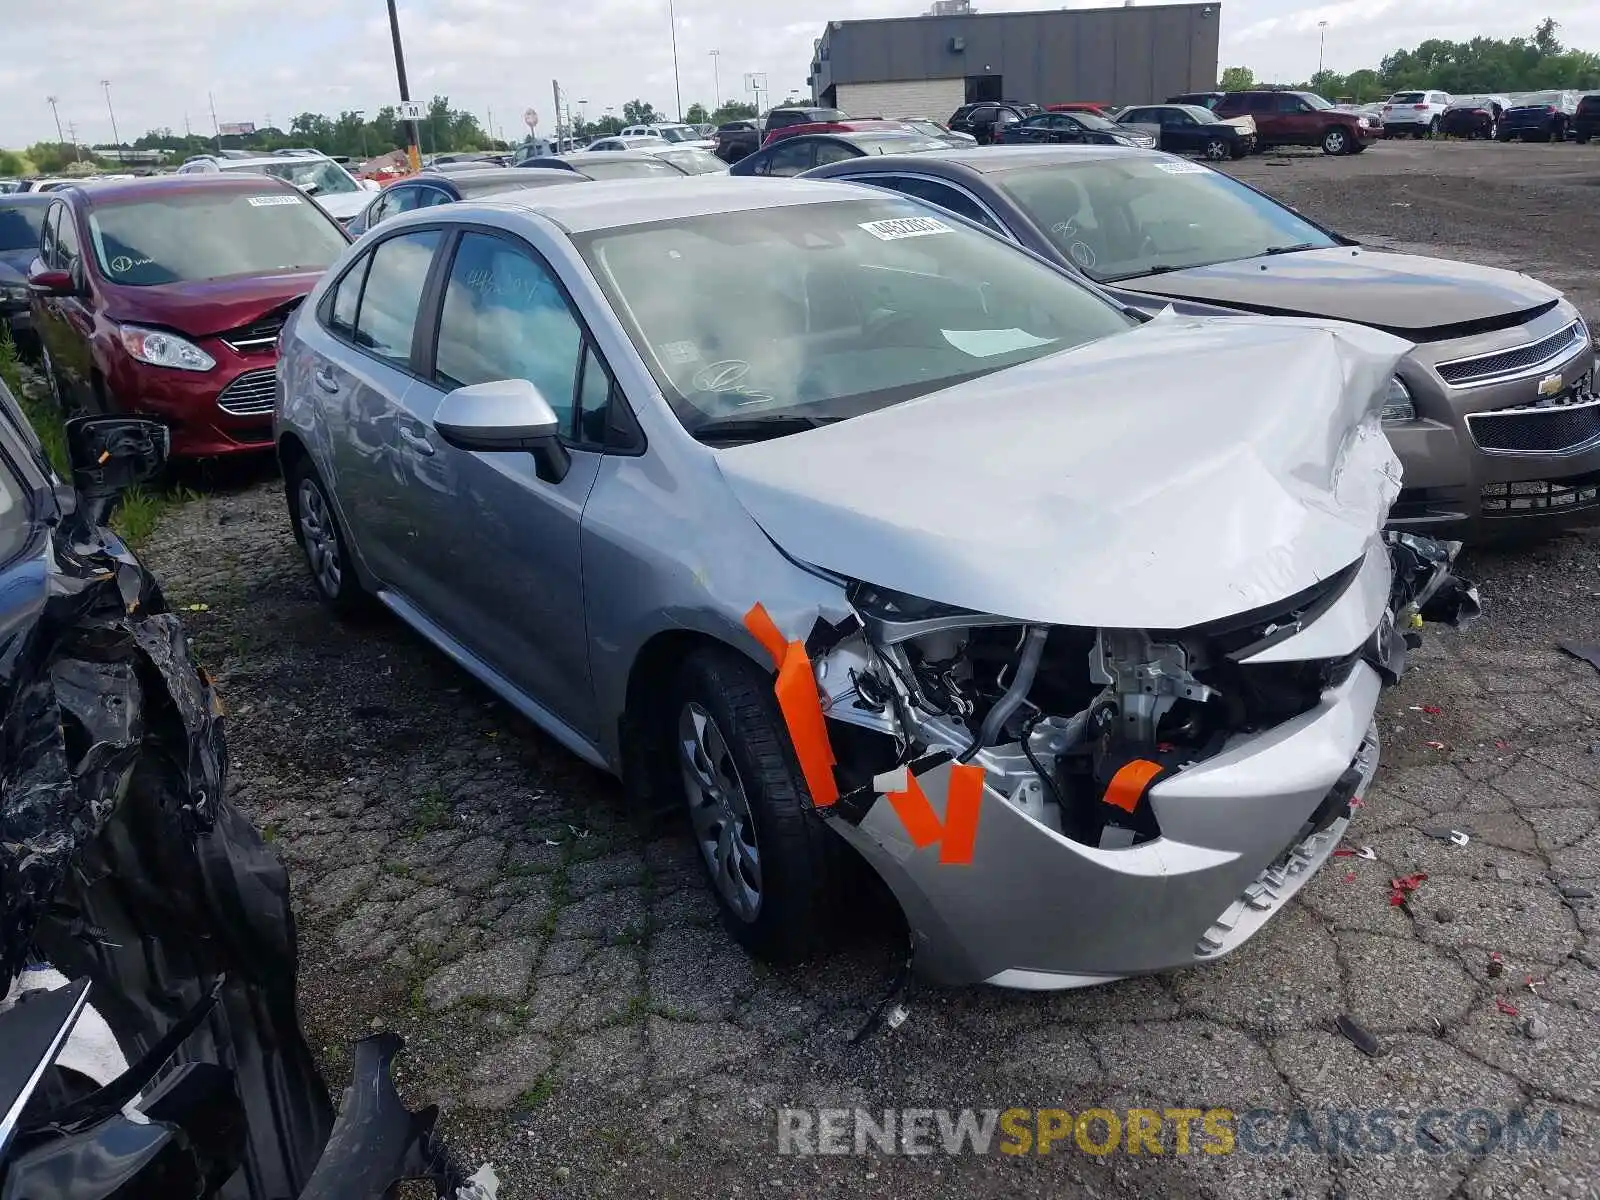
pixel 1557 429
pixel 251 394
pixel 256 336
pixel 1485 367
pixel 1541 496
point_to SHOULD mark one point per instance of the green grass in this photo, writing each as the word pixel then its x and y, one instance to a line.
pixel 533 1097
pixel 432 811
pixel 44 418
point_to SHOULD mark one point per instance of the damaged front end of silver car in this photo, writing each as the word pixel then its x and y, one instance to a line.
pixel 1055 798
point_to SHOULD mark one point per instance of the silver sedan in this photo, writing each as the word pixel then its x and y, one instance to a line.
pixel 860 535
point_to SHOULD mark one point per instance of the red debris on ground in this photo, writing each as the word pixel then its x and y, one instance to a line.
pixel 1505 1006
pixel 1433 710
pixel 1403 886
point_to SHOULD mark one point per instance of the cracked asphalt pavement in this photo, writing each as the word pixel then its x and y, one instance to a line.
pixel 569 998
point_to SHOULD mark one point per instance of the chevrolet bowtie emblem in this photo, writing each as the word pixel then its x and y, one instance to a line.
pixel 1550 386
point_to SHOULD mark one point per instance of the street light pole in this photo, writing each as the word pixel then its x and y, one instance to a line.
pixel 716 86
pixel 116 138
pixel 677 87
pixel 1322 40
pixel 413 155
pixel 61 138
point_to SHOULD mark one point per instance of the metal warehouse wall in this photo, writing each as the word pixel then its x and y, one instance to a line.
pixel 1127 55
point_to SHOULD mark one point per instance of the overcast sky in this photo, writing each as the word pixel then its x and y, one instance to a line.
pixel 270 59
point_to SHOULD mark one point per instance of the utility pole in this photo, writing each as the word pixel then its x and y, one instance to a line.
pixel 412 133
pixel 676 86
pixel 116 138
pixel 1322 40
pixel 55 112
pixel 216 129
pixel 716 86
pixel 555 91
pixel 72 132
pixel 361 122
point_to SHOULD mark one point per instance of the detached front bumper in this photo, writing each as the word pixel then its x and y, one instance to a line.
pixel 1240 835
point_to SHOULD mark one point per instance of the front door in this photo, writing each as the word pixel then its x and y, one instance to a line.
pixel 502 545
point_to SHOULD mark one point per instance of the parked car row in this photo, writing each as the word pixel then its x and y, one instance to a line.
pixel 672 397
pixel 1547 116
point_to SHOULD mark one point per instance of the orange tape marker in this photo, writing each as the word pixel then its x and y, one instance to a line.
pixel 963 802
pixel 801 706
pixel 1129 783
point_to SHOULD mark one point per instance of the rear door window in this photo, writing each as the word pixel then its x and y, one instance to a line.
pixel 790 158
pixel 386 319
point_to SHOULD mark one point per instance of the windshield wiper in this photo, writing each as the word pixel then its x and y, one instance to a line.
pixel 734 428
pixel 1294 249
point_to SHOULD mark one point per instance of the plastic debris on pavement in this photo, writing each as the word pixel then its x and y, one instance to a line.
pixel 1436 745
pixel 1497 965
pixel 1589 654
pixel 1402 887
pixel 1362 1039
pixel 1506 1006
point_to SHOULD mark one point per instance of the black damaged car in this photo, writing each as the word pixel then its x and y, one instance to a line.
pixel 149 1041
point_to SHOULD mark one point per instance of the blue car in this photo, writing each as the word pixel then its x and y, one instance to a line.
pixel 21 219
pixel 1538 117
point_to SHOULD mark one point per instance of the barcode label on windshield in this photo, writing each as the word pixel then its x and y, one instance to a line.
pixel 904 227
pixel 1177 166
pixel 270 201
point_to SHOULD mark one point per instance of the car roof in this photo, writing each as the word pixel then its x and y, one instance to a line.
pixel 990 160
pixel 613 204
pixel 128 190
pixel 495 177
pixel 275 160
pixel 584 156
pixel 25 198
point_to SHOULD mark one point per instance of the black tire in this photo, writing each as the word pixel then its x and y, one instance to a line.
pixel 1336 139
pixel 1216 149
pixel 1502 137
pixel 339 588
pixel 802 863
pixel 1433 127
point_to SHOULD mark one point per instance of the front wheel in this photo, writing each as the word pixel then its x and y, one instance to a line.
pixel 1336 141
pixel 1217 149
pixel 1433 127
pixel 772 864
pixel 327 550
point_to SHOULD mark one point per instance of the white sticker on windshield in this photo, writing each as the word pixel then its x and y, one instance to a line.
pixel 271 201
pixel 1177 166
pixel 983 343
pixel 680 353
pixel 904 227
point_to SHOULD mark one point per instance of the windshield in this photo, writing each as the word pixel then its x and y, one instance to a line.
pixel 1123 217
pixel 208 235
pixel 1202 116
pixel 694 161
pixel 627 168
pixel 1534 99
pixel 678 133
pixel 314 176
pixel 20 225
pixel 895 143
pixel 829 310
pixel 1315 101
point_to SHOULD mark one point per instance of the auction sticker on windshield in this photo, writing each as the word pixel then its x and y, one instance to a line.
pixel 904 227
pixel 1178 166
pixel 271 201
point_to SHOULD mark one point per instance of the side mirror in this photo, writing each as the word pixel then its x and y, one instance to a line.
pixel 505 414
pixel 44 282
pixel 111 454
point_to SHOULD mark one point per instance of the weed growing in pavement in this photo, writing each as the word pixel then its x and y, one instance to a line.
pixel 432 812
pixel 543 1088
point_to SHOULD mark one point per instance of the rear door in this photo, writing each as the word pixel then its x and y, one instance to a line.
pixel 1270 125
pixel 789 157
pixel 73 348
pixel 360 362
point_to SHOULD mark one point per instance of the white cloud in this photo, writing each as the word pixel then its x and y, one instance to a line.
pixel 275 58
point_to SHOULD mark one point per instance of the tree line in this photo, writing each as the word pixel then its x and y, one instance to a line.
pixel 1493 65
pixel 443 130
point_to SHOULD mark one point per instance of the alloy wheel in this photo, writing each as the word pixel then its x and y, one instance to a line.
pixel 321 538
pixel 1334 141
pixel 719 811
pixel 1216 149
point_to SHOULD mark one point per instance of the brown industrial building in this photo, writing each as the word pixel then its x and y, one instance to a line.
pixel 930 65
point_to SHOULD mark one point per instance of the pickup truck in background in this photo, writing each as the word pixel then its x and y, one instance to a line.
pixel 737 138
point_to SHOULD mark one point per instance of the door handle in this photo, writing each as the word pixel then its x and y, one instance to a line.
pixel 325 379
pixel 416 441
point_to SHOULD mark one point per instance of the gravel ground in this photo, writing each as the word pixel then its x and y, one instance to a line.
pixel 570 1001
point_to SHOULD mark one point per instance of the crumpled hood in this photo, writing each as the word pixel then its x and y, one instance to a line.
pixel 1185 471
pixel 1399 292
pixel 201 308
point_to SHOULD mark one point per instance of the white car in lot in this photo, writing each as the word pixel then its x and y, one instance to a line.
pixel 1414 113
pixel 340 193
pixel 669 131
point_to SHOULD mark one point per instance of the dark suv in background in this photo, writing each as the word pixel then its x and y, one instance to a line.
pixel 1286 118
pixel 738 138
pixel 988 120
pixel 1586 118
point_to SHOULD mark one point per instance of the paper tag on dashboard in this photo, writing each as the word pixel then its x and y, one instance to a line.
pixel 904 227
pixel 271 201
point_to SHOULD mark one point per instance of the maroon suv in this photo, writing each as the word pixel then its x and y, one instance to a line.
pixel 1300 119
pixel 164 297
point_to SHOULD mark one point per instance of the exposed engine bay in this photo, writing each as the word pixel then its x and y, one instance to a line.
pixel 1074 726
